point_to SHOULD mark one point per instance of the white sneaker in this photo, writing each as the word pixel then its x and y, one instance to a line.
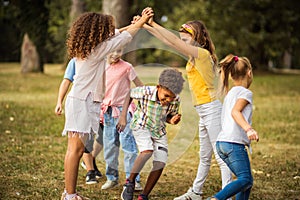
pixel 138 186
pixel 109 184
pixel 189 195
pixel 83 165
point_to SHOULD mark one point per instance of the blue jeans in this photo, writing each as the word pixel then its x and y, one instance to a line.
pixel 112 140
pixel 236 157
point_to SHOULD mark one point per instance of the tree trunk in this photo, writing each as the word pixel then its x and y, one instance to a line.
pixel 287 59
pixel 30 61
pixel 77 8
pixel 120 10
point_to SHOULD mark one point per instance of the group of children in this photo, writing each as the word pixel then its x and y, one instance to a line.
pixel 223 130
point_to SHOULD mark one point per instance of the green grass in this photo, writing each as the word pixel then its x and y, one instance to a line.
pixel 32 148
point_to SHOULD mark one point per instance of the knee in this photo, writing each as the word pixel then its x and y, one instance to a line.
pixel 76 151
pixel 147 153
pixel 157 165
pixel 247 182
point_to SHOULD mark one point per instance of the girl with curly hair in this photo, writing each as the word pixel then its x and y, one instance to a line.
pixel 90 39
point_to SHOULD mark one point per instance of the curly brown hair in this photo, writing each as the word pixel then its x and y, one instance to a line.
pixel 89 30
pixel 201 37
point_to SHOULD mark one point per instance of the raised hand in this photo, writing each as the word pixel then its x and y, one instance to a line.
pixel 147 13
pixel 135 19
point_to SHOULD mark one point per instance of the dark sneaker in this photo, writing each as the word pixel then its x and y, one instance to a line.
pixel 128 189
pixel 91 177
pixel 98 174
pixel 142 197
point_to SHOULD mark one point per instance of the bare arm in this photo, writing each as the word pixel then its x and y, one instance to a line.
pixel 147 14
pixel 172 40
pixel 63 89
pixel 238 117
pixel 123 28
pixel 137 82
pixel 123 116
pixel 157 34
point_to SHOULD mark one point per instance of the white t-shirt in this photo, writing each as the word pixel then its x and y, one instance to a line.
pixel 231 131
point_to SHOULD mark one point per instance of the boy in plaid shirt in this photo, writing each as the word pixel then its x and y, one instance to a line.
pixel 156 106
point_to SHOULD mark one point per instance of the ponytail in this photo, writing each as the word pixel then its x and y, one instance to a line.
pixel 234 67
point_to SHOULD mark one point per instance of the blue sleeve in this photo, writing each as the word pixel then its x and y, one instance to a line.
pixel 70 71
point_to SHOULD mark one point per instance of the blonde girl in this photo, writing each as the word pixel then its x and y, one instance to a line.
pixel 196 44
pixel 237 131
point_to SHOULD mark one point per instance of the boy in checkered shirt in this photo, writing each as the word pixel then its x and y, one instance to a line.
pixel 156 106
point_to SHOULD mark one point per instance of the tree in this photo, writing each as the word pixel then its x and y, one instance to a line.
pixel 33 19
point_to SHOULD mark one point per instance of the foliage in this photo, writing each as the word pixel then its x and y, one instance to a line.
pixel 34 15
pixel 262 30
pixel 32 149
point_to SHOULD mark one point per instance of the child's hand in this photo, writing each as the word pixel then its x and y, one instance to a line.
pixel 135 19
pixel 252 135
pixel 58 109
pixel 147 14
pixel 121 124
pixel 150 21
pixel 175 119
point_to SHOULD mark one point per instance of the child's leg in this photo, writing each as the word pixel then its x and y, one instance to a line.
pixel 87 156
pixel 213 128
pixel 88 161
pixel 153 176
pixel 129 148
pixel 139 163
pixel 236 157
pixel 72 158
pixel 159 161
pixel 111 146
pixel 98 143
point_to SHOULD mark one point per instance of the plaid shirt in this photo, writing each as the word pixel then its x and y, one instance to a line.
pixel 150 114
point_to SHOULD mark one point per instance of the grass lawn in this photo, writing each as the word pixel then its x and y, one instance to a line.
pixel 32 149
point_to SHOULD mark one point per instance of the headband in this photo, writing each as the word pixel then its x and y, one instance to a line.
pixel 188 28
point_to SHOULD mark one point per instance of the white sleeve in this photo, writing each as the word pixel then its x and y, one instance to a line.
pixel 247 95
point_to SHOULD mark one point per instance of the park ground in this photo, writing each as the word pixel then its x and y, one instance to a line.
pixel 32 148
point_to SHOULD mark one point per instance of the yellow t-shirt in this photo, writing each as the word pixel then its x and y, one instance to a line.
pixel 201 77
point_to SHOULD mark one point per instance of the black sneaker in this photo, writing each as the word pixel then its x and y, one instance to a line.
pixel 128 189
pixel 98 174
pixel 91 177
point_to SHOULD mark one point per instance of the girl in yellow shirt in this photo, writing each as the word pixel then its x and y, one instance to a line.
pixel 196 44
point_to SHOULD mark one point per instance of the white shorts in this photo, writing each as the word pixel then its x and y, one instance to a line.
pixel 82 116
pixel 145 141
